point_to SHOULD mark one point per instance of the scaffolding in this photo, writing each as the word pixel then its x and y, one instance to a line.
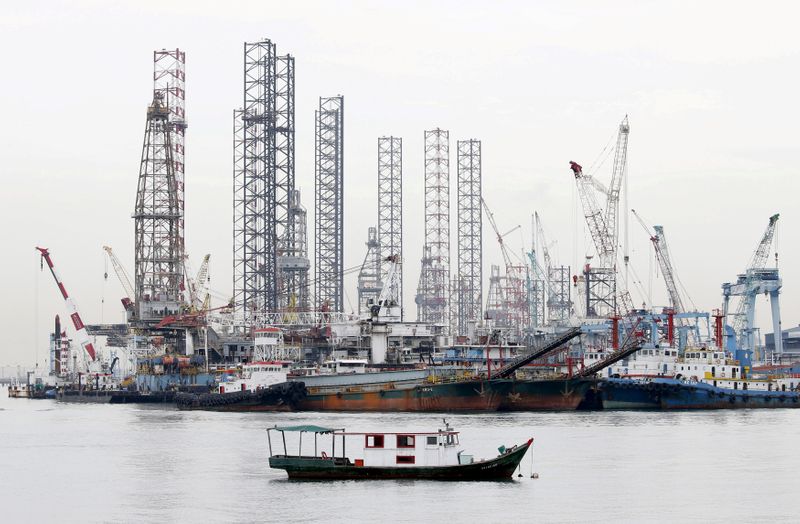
pixel 469 282
pixel 329 204
pixel 432 293
pixel 390 204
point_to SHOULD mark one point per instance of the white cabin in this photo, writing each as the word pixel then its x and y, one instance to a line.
pixel 257 375
pixel 410 449
pixel 344 366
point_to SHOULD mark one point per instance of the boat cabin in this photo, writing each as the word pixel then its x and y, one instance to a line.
pixel 257 375
pixel 344 366
pixel 377 449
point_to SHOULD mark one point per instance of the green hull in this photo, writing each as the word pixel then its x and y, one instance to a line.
pixel 501 467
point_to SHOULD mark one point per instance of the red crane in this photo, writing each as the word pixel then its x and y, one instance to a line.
pixel 72 308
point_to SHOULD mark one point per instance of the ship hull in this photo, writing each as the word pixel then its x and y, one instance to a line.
pixel 316 468
pixel 280 397
pixel 473 395
pixel 674 394
pixel 547 395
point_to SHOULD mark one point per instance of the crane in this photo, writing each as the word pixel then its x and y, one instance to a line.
pixel 123 277
pixel 603 224
pixel 72 308
pixel 755 279
pixel 664 262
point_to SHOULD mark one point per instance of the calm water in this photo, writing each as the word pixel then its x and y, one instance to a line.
pixel 80 463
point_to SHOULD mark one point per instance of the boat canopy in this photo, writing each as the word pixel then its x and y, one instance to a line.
pixel 310 428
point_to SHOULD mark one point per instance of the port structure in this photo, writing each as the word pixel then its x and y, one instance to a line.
pixel 603 294
pixel 370 281
pixel 329 204
pixel 433 289
pixel 270 262
pixel 756 280
pixel 158 249
pixel 390 210
pixel 467 286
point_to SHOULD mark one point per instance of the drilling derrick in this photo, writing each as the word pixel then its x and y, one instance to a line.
pixel 390 205
pixel 432 295
pixel 158 249
pixel 369 278
pixel 468 284
pixel 329 204
pixel 169 79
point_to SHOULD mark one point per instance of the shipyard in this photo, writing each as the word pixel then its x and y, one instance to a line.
pixel 310 259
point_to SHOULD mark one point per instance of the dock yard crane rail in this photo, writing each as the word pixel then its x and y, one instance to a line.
pixel 537 353
pixel 72 308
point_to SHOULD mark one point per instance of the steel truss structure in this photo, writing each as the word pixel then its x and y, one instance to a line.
pixel 169 79
pixel 369 277
pixel 559 300
pixel 270 271
pixel 158 248
pixel 329 204
pixel 469 282
pixel 433 289
pixel 390 204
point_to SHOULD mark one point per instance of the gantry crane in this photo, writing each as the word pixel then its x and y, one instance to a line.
pixel 756 279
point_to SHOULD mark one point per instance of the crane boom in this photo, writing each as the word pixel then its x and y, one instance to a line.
pixel 617 174
pixel 122 275
pixel 665 261
pixel 659 242
pixel 757 261
pixel 592 212
pixel 72 308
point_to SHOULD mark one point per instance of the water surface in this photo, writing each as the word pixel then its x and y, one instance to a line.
pixel 129 463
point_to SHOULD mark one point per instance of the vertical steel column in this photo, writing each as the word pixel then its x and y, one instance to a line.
pixel 329 203
pixel 259 282
pixel 435 276
pixel 390 203
pixel 470 236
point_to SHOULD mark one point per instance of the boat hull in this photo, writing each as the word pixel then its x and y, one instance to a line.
pixel 280 397
pixel 472 395
pixel 675 394
pixel 317 468
pixel 547 395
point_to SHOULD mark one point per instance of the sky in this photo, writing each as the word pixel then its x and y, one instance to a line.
pixel 710 89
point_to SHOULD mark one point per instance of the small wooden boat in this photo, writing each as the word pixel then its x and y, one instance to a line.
pixel 409 455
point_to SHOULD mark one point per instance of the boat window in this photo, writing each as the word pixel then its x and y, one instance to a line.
pixel 405 441
pixel 374 441
pixel 432 441
pixel 403 459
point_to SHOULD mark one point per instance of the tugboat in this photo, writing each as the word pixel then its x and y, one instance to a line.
pixel 406 455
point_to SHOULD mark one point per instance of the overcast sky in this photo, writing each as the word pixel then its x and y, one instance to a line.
pixel 710 89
